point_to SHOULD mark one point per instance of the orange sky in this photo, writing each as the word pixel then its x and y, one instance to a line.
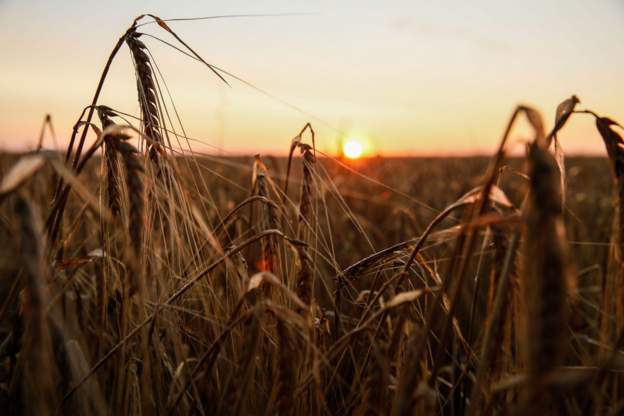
pixel 407 77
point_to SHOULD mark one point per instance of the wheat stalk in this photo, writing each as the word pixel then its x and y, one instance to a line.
pixel 147 93
pixel 548 273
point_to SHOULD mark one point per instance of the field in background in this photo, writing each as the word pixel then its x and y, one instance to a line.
pixel 425 187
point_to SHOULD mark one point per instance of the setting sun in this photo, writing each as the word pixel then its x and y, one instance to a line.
pixel 352 149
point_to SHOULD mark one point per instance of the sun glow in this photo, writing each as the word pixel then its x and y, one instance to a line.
pixel 352 149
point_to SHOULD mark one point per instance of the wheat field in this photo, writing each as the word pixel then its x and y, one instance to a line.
pixel 138 276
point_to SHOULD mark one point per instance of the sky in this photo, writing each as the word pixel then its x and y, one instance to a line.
pixel 404 77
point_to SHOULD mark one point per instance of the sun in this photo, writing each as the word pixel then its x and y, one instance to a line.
pixel 352 149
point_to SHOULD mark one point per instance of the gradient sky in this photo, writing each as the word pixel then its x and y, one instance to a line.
pixel 409 77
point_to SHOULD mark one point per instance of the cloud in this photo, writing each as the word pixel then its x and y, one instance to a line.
pixel 409 26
